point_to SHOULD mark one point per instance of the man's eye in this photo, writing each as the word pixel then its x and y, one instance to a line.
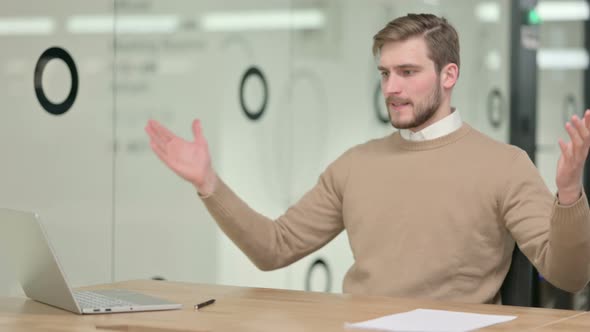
pixel 384 74
pixel 408 72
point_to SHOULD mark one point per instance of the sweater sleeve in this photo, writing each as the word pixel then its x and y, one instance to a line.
pixel 555 238
pixel 305 227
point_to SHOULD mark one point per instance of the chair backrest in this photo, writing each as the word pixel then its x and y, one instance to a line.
pixel 520 287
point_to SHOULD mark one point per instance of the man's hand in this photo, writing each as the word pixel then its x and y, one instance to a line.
pixel 190 160
pixel 573 156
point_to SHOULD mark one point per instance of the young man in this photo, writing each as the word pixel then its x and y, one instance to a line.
pixel 432 210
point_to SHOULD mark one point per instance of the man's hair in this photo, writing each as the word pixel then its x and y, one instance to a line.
pixel 441 38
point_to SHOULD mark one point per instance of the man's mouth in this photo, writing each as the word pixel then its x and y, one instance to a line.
pixel 399 105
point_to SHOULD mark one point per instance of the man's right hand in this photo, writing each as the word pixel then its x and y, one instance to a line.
pixel 190 160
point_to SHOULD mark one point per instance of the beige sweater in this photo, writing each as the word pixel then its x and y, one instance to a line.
pixel 433 219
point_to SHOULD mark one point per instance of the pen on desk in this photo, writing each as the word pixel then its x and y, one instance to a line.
pixel 204 304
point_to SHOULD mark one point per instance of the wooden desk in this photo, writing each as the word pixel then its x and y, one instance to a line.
pixel 577 323
pixel 258 309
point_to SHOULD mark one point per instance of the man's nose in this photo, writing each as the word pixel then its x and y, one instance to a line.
pixel 391 86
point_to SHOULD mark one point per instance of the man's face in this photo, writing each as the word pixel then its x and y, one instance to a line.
pixel 410 84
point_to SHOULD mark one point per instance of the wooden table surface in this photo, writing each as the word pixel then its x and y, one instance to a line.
pixel 261 309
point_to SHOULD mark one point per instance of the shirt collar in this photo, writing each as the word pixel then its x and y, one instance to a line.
pixel 443 127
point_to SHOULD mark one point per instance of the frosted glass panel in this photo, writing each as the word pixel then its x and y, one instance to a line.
pixel 57 126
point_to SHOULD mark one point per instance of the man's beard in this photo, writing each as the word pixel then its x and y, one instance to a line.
pixel 422 111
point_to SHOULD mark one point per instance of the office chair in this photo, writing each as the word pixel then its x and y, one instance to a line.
pixel 520 287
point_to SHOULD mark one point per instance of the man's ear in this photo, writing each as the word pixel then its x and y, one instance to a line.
pixel 449 75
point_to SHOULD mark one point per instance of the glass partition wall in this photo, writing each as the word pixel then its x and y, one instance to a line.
pixel 57 129
pixel 562 61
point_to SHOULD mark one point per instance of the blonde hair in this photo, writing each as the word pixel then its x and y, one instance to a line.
pixel 441 38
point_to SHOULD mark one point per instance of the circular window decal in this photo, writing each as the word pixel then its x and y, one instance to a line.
pixel 321 265
pixel 495 108
pixel 253 72
pixel 570 107
pixel 48 55
pixel 382 116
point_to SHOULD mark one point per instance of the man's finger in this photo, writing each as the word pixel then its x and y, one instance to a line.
pixel 583 132
pixel 159 152
pixel 150 131
pixel 581 151
pixel 587 119
pixel 564 149
pixel 574 136
pixel 581 128
pixel 160 131
pixel 155 138
pixel 197 131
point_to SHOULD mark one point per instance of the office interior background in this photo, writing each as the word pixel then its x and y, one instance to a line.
pixel 282 88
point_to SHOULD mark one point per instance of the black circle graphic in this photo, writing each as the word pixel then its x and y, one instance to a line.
pixel 377 105
pixel 48 55
pixel 319 263
pixel 495 108
pixel 570 107
pixel 253 114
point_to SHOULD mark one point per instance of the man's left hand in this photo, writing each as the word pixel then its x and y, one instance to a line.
pixel 573 157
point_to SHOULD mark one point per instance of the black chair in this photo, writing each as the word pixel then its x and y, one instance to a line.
pixel 521 283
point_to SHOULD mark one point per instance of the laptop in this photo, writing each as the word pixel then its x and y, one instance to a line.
pixel 27 250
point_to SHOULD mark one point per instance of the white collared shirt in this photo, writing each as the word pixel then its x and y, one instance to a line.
pixel 443 127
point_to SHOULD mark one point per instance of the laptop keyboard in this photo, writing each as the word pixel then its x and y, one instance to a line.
pixel 88 299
